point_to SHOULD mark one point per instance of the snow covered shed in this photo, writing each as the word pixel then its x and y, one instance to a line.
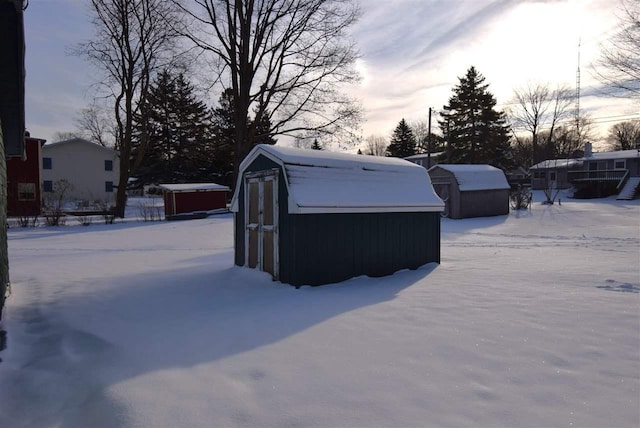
pixel 193 197
pixel 471 190
pixel 311 217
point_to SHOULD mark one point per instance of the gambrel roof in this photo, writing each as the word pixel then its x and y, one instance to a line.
pixel 476 177
pixel 320 181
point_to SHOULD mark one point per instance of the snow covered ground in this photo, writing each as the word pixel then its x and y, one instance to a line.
pixel 531 320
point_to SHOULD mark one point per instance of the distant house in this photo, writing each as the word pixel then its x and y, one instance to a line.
pixel 518 177
pixel 553 173
pixel 592 175
pixel 91 169
pixel 471 190
pixel 311 217
pixel 193 197
pixel 23 181
pixel 426 160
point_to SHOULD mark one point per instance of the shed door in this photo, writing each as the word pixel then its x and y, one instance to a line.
pixel 261 231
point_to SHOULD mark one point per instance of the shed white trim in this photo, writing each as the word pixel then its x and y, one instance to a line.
pixel 328 182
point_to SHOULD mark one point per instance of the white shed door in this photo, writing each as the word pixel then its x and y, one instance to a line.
pixel 261 222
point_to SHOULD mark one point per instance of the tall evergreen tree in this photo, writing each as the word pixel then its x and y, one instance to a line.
pixel 403 142
pixel 475 131
pixel 225 135
pixel 178 133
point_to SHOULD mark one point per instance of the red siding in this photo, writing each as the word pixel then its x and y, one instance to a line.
pixel 24 171
pixel 168 203
pixel 186 202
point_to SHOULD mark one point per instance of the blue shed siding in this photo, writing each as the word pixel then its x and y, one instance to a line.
pixel 325 248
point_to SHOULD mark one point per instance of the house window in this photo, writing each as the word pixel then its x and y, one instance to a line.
pixel 47 186
pixel 552 176
pixel 620 164
pixel 108 165
pixel 108 186
pixel 46 163
pixel 26 191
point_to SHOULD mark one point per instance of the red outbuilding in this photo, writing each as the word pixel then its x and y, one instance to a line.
pixel 193 198
pixel 23 181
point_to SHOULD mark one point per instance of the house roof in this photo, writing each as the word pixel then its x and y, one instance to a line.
pixel 423 156
pixel 194 187
pixel 619 154
pixel 558 163
pixel 476 177
pixel 320 181
pixel 568 163
pixel 78 141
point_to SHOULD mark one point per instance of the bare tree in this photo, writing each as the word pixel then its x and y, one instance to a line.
pixel 66 135
pixel 538 107
pixel 624 135
pixel 286 60
pixel 619 65
pixel 133 39
pixel 95 124
pixel 376 145
pixel 420 130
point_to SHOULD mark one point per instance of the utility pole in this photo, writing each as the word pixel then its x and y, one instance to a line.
pixel 577 112
pixel 429 141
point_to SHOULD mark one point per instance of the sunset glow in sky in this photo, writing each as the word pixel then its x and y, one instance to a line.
pixel 412 53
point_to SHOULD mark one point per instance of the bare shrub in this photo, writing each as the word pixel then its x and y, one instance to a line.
pixel 85 220
pixel 149 210
pixel 55 219
pixel 520 198
pixel 55 201
pixel 108 210
pixel 28 221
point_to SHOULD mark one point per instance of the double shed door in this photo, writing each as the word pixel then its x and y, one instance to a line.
pixel 261 221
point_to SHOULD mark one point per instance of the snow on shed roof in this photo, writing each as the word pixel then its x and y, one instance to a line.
pixel 319 181
pixel 476 177
pixel 194 187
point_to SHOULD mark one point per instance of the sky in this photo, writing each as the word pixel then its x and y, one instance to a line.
pixel 412 53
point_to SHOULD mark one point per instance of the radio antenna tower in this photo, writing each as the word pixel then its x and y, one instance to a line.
pixel 577 118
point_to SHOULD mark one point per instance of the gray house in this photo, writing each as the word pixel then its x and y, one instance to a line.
pixel 426 160
pixel 596 174
pixel 311 217
pixel 471 190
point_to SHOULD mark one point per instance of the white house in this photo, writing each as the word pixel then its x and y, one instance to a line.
pixel 91 169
